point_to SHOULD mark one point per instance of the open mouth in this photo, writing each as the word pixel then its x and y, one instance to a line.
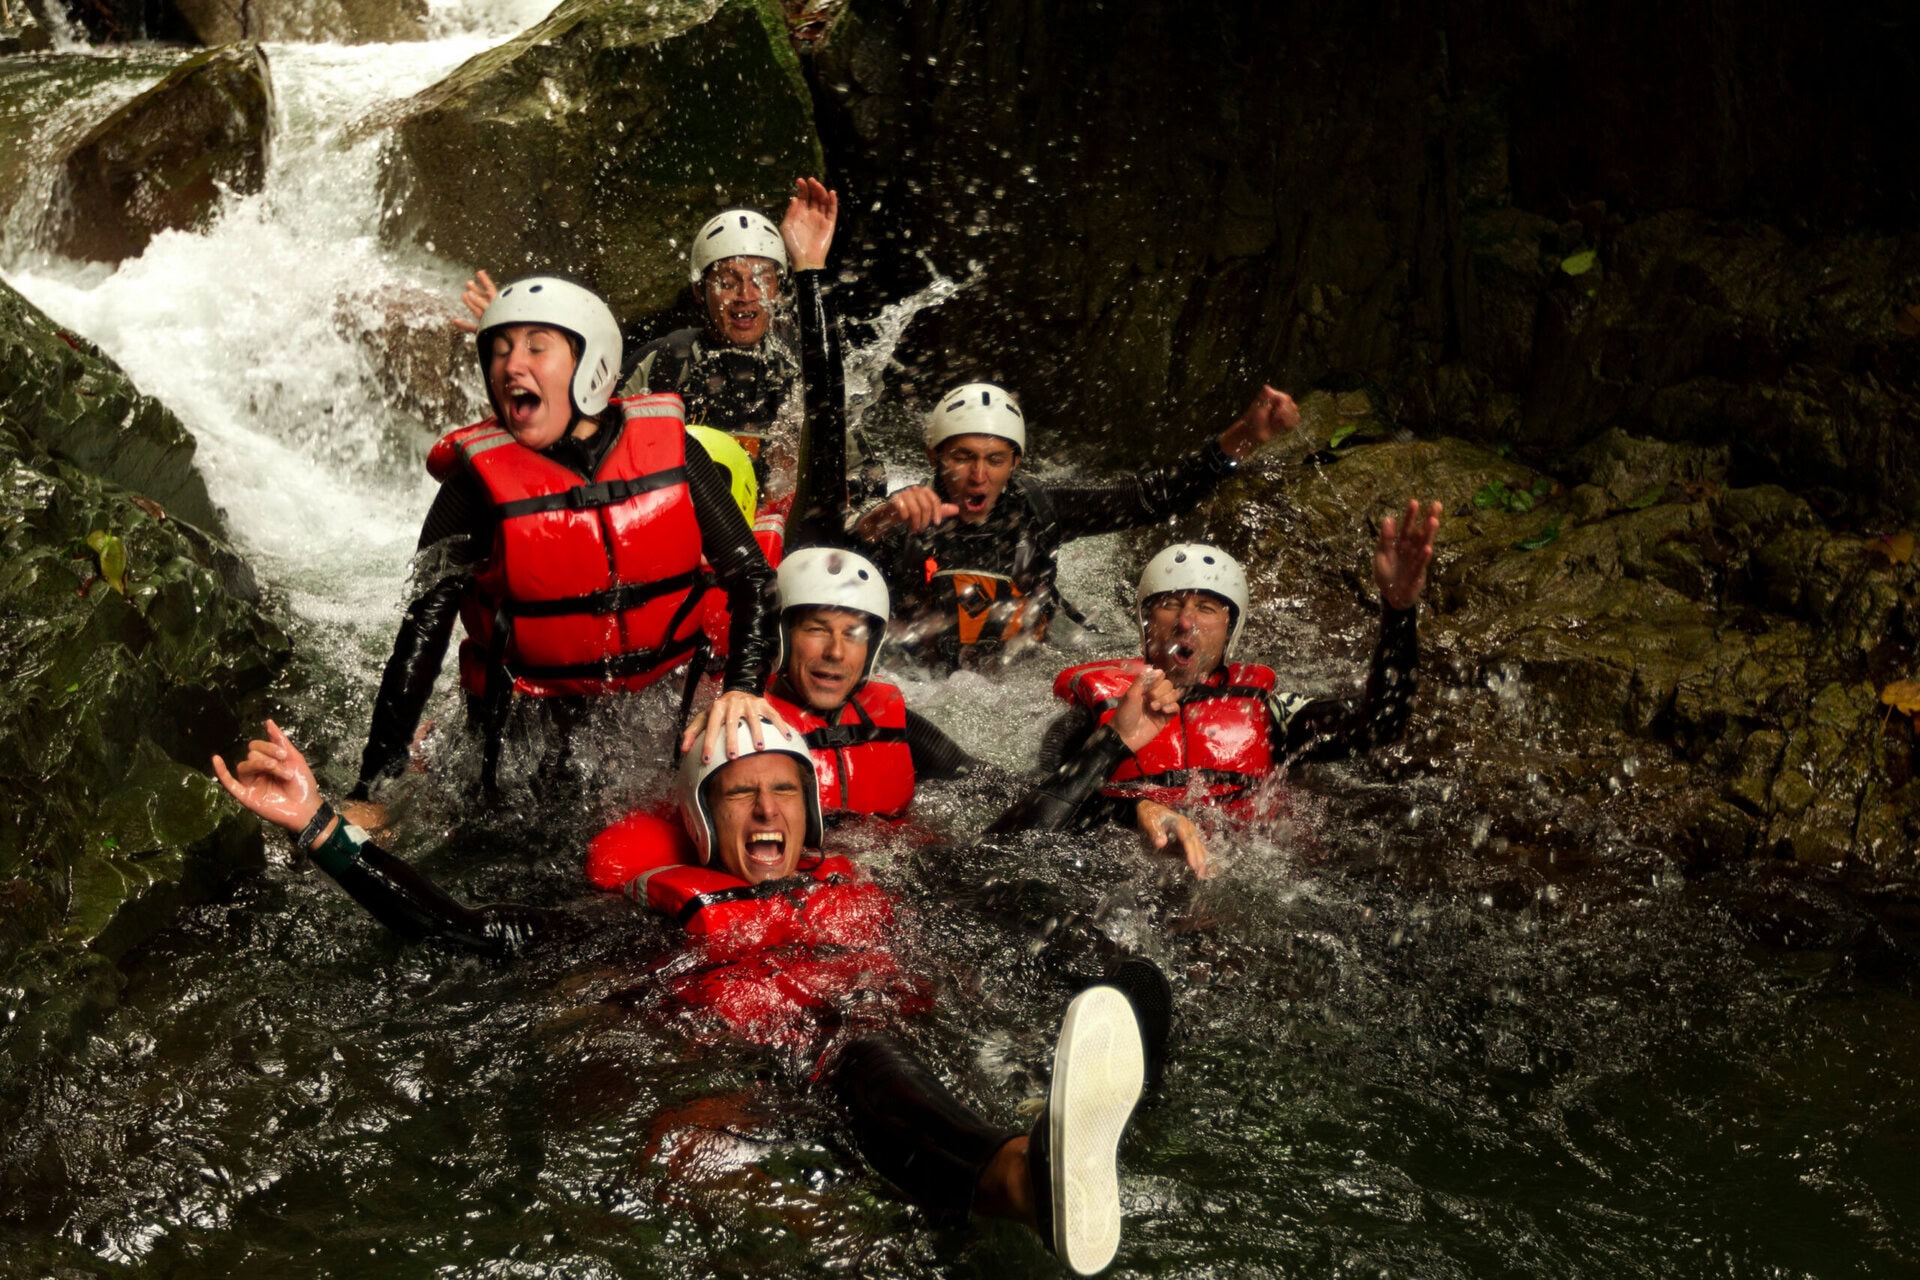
pixel 1181 653
pixel 766 848
pixel 522 404
pixel 974 503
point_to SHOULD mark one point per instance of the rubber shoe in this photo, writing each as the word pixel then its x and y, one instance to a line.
pixel 1099 1065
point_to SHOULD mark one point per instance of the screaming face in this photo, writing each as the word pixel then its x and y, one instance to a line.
pixel 1187 634
pixel 530 375
pixel 974 470
pixel 759 810
pixel 738 294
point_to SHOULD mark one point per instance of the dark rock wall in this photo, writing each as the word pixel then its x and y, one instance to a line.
pixel 1172 201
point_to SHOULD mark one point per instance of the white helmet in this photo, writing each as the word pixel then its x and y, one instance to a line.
pixel 978 408
pixel 832 578
pixel 694 774
pixel 1195 566
pixel 563 305
pixel 735 233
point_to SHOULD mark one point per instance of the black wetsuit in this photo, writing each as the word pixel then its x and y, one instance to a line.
pixel 457 538
pixel 1302 731
pixel 908 1125
pixel 1020 539
pixel 742 390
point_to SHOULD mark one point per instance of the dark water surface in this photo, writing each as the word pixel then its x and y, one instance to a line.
pixel 1389 1066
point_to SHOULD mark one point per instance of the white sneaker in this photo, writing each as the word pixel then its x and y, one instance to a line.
pixel 1099 1065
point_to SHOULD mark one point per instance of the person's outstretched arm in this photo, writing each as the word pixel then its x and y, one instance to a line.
pixel 1333 728
pixel 821 502
pixel 275 782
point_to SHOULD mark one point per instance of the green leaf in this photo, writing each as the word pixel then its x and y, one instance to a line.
pixel 1519 501
pixel 1542 487
pixel 113 558
pixel 74 687
pixel 1580 263
pixel 1491 495
pixel 1340 433
pixel 1546 537
pixel 1647 499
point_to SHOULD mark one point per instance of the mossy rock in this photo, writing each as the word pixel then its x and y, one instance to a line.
pixel 597 142
pixel 165 160
pixel 135 644
pixel 316 21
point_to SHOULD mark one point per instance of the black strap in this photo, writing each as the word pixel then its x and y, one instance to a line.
pixel 1199 693
pixel 741 893
pixel 639 662
pixel 589 497
pixel 630 595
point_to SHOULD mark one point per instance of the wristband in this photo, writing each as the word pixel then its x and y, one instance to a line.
pixel 311 832
pixel 341 850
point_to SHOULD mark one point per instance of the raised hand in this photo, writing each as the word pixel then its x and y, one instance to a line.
pixel 1148 706
pixel 477 297
pixel 274 781
pixel 1401 557
pixel 1271 413
pixel 807 229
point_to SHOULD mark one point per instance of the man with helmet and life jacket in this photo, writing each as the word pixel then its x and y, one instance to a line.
pixel 569 535
pixel 737 373
pixel 868 748
pixel 1233 728
pixel 788 947
pixel 971 557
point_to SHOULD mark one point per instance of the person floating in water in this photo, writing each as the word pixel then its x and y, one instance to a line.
pixel 1231 727
pixel 572 535
pixel 789 946
pixel 970 557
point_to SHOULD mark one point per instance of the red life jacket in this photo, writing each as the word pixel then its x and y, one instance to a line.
pixel 861 756
pixel 768 958
pixel 591 586
pixel 1220 746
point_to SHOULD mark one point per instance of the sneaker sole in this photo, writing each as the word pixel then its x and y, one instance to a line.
pixel 1099 1066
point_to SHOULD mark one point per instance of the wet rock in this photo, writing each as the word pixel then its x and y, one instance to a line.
pixel 23 31
pixel 330 21
pixel 135 645
pixel 163 161
pixel 1727 625
pixel 60 391
pixel 421 361
pixel 595 143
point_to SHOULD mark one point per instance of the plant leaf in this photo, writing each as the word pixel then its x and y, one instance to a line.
pixel 1546 537
pixel 1519 501
pixel 1542 487
pixel 113 558
pixel 1578 264
pixel 1903 696
pixel 1492 494
pixel 1340 433
pixel 1647 499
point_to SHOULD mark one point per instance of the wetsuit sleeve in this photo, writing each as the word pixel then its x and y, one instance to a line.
pixel 1332 728
pixel 821 500
pixel 738 562
pixel 1053 804
pixel 1066 736
pixel 457 531
pixel 419 910
pixel 934 754
pixel 1083 510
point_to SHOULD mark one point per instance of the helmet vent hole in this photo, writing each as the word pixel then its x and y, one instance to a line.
pixel 1180 557
pixel 1207 559
pixel 534 288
